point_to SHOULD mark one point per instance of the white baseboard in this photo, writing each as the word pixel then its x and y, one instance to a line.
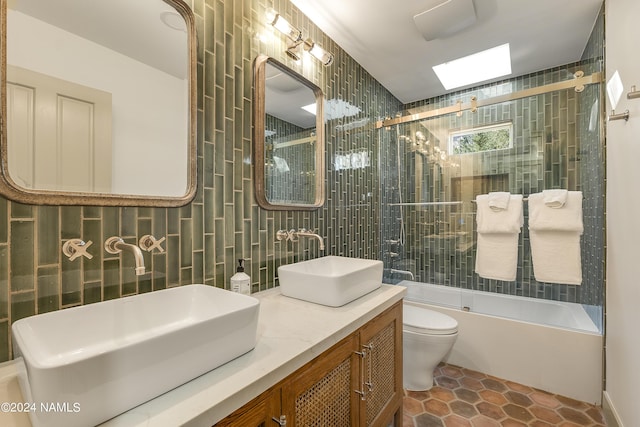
pixel 610 415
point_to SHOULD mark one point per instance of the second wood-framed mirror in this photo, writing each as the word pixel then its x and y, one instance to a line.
pixel 288 138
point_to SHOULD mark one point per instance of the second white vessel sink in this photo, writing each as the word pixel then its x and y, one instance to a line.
pixel 330 280
pixel 99 360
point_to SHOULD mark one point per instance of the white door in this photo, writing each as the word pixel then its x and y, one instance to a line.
pixel 58 133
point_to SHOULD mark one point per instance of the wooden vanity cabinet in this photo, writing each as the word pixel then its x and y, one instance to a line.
pixel 257 413
pixel 357 382
pixel 382 369
pixel 322 393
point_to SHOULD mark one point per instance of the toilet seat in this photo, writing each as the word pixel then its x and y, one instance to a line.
pixel 424 321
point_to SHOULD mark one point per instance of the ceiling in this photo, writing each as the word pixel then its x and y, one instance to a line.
pixel 382 37
pixel 132 28
pixel 285 98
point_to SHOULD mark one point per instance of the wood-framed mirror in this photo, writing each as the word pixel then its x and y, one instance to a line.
pixel 98 102
pixel 288 138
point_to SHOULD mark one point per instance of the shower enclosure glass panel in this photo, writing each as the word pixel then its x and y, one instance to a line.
pixel 429 228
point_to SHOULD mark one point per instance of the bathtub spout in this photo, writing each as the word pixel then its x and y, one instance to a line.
pixel 405 272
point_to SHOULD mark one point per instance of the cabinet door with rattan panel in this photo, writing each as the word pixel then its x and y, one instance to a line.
pixel 260 412
pixel 381 340
pixel 323 392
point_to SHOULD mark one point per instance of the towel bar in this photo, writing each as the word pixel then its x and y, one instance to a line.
pixel 634 93
pixel 524 199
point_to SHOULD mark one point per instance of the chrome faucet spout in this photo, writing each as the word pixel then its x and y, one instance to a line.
pixel 306 233
pixel 115 245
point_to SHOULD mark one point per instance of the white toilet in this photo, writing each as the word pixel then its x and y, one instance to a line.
pixel 428 336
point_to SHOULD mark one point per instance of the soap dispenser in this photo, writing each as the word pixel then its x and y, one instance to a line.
pixel 241 282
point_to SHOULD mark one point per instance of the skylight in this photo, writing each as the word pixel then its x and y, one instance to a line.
pixel 475 68
pixel 334 109
pixel 310 108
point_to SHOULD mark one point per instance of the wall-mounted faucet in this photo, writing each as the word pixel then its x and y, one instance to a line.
pixel 303 232
pixel 115 245
pixel 293 235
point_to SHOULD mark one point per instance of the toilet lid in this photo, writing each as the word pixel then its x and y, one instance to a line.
pixel 425 321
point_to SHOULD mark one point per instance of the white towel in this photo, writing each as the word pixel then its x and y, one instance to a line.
pixel 555 198
pixel 555 239
pixel 509 220
pixel 281 164
pixel 497 256
pixel 498 234
pixel 556 256
pixel 499 200
pixel 546 218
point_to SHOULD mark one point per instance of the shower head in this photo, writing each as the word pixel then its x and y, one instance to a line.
pixel 421 138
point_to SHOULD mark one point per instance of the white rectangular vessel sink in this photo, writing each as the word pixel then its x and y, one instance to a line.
pixel 105 358
pixel 330 280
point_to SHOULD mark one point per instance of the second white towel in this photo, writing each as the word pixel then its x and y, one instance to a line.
pixel 556 256
pixel 555 239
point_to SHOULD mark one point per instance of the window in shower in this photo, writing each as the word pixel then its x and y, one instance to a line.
pixel 485 138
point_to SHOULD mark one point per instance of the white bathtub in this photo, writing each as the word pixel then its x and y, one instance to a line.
pixel 550 345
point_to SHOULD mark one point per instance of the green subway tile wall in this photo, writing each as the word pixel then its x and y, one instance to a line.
pixel 223 223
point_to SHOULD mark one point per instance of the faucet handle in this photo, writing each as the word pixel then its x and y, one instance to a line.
pixel 282 235
pixel 306 230
pixel 110 245
pixel 149 243
pixel 290 235
pixel 75 248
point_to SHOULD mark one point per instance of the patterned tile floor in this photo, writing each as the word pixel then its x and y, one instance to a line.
pixel 465 398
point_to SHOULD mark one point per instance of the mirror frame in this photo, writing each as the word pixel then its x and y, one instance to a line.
pixel 259 114
pixel 13 191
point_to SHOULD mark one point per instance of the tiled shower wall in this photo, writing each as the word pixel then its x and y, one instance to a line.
pixel 223 222
pixel 558 143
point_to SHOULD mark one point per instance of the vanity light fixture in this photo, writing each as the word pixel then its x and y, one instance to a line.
pixel 295 35
pixel 318 52
pixel 282 25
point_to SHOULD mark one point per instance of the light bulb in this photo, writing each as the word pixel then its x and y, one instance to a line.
pixel 282 25
pixel 319 53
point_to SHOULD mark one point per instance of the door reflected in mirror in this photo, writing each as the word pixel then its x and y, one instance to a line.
pixel 99 102
pixel 288 138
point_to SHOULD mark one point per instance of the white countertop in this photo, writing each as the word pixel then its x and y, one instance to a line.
pixel 290 334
